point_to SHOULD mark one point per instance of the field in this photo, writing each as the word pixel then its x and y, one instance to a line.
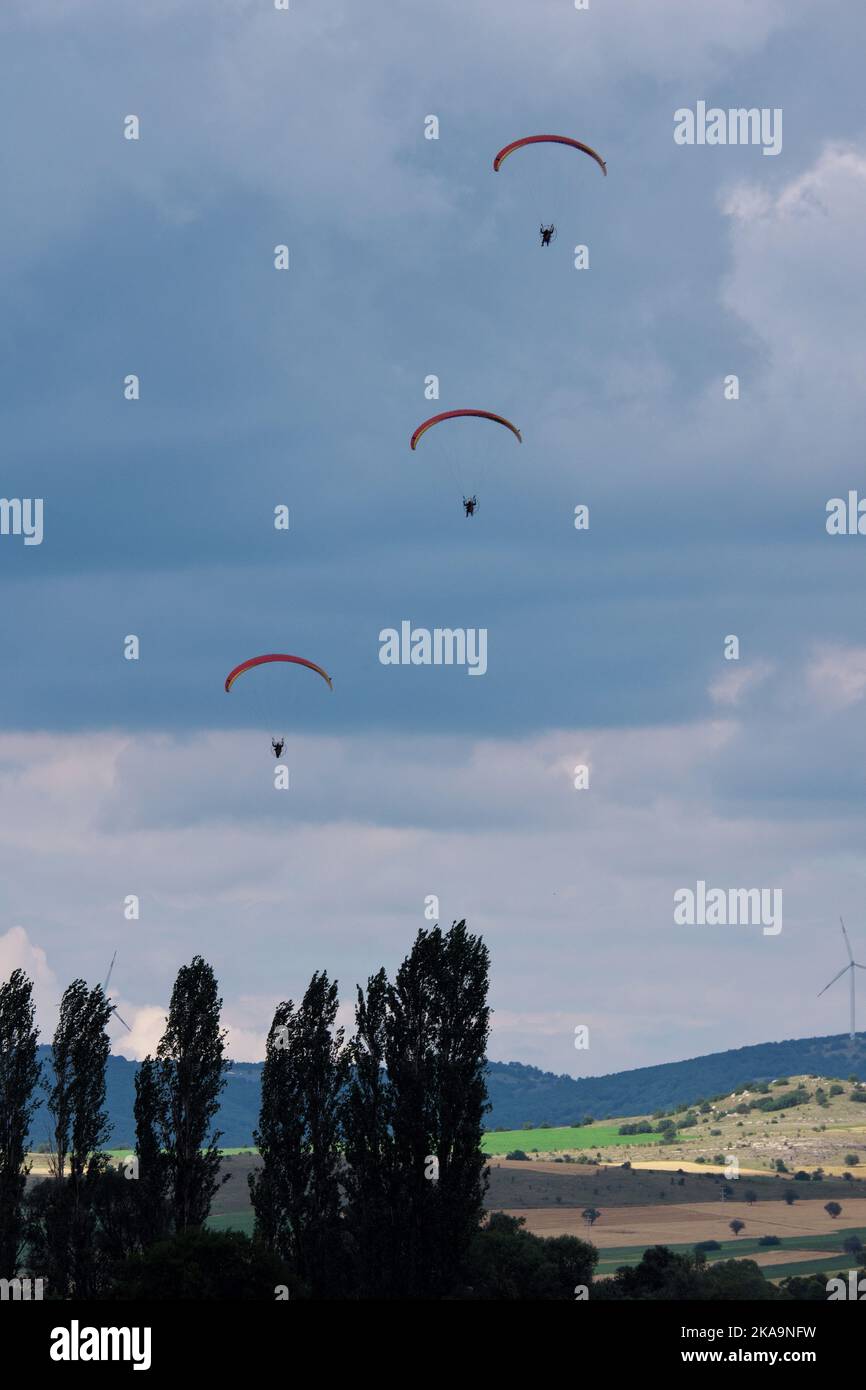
pixel 649 1193
pixel 565 1139
pixel 621 1227
pixel 804 1136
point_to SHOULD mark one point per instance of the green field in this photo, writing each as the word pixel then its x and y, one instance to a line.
pixel 566 1137
pixel 233 1221
pixel 612 1258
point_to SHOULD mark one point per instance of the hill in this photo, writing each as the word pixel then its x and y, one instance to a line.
pixel 525 1095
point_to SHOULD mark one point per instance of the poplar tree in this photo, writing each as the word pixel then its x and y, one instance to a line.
pixel 414 1118
pixel 20 1073
pixel 296 1193
pixel 191 1067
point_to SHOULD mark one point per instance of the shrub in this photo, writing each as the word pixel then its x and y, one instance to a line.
pixel 769 1240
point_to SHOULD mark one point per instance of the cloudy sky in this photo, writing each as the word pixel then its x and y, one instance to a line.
pixel 409 257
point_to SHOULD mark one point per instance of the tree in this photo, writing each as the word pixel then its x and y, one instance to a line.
pixel 415 1114
pixel 62 1217
pixel 191 1077
pixel 833 1209
pixel 296 1193
pixel 789 1196
pixel 202 1264
pixel 750 1196
pixel 590 1215
pixel 20 1073
pixel 370 1182
pixel 851 1160
pixel 79 1053
pixel 149 1109
pixel 853 1245
pixel 736 1225
pixel 506 1262
pixel 436 1042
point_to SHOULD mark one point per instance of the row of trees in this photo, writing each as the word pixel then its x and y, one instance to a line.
pixel 75 1227
pixel 372 1178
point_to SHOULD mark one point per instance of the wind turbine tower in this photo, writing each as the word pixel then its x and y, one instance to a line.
pixel 852 966
pixel 105 992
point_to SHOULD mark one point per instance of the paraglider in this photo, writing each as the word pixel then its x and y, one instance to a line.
pixel 547 140
pixel 274 656
pixel 547 230
pixel 471 449
pixel 277 744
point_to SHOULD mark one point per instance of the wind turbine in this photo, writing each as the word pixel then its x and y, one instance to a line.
pixel 852 966
pixel 105 992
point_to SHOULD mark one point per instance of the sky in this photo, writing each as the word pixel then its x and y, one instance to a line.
pixel 409 258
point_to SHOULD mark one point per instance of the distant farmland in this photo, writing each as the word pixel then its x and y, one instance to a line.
pixel 567 1137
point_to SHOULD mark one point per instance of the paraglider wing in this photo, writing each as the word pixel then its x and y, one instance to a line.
pixel 549 139
pixel 454 414
pixel 274 656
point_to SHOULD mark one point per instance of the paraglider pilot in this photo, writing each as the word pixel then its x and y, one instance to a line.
pixel 547 234
pixel 278 744
pixel 469 505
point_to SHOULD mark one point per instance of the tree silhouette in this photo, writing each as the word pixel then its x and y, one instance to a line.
pixel 190 1079
pixel 62 1215
pixel 414 1114
pixel 296 1193
pixel 19 1076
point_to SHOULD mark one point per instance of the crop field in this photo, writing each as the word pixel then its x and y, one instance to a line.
pixel 563 1139
pixel 683 1225
pixel 819 1250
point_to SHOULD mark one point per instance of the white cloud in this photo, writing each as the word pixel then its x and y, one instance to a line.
pixel 571 890
pixel 17 952
pixel 836 676
pixel 796 264
pixel 737 680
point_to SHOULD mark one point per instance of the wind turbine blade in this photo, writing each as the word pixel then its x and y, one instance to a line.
pixel 833 981
pixel 123 1020
pixel 108 976
pixel 847 942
